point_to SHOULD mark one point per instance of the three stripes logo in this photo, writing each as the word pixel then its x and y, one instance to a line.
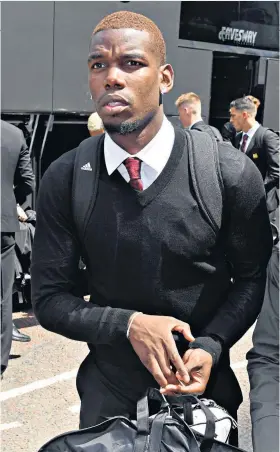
pixel 86 167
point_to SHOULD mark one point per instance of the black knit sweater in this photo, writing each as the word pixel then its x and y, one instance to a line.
pixel 151 251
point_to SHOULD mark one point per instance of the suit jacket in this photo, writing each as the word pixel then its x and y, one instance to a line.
pixel 17 178
pixel 263 150
pixel 263 366
pixel 212 131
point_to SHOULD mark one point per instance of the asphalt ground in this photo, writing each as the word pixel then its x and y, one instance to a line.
pixel 38 392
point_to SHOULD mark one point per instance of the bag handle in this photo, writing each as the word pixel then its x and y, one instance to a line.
pixel 157 431
pixel 143 426
pixel 143 409
pixel 209 435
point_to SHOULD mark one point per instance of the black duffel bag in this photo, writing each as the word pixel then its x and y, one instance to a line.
pixel 165 431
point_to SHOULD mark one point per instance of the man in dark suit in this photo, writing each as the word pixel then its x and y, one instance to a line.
pixel 189 109
pixel 260 144
pixel 263 366
pixel 17 181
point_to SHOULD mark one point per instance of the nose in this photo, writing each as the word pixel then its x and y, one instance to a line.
pixel 114 79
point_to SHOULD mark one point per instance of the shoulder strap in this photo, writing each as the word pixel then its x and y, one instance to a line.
pixel 206 175
pixel 85 181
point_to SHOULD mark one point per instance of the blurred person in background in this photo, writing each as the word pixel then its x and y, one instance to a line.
pixel 228 133
pixel 95 125
pixel 17 181
pixel 189 109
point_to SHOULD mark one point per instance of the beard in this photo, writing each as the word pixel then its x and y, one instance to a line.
pixel 129 126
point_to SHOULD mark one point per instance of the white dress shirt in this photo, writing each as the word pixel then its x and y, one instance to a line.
pixel 154 155
pixel 250 134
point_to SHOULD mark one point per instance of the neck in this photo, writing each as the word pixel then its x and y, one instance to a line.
pixel 249 124
pixel 196 118
pixel 135 141
pixel 193 119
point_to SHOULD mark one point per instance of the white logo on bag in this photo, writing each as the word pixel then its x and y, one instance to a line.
pixel 86 167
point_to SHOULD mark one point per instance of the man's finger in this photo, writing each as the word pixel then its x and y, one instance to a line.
pixel 176 360
pixel 193 388
pixel 184 329
pixel 164 364
pixel 187 356
pixel 156 371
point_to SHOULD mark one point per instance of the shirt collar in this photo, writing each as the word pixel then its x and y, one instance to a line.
pixel 253 129
pixel 163 141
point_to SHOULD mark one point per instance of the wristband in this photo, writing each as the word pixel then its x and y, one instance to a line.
pixel 208 344
pixel 131 321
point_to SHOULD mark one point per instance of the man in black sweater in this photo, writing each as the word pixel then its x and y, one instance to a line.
pixel 156 265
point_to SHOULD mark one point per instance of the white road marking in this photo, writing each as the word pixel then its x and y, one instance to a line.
pixel 10 425
pixel 74 409
pixel 37 385
pixel 239 365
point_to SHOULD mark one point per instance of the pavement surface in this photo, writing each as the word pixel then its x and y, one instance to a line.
pixel 38 393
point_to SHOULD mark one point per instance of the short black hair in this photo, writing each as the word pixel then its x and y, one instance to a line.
pixel 244 104
pixel 128 19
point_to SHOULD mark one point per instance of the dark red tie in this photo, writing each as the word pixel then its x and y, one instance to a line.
pixel 133 166
pixel 244 141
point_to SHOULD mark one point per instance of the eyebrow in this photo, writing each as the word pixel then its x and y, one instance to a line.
pixel 135 55
pixel 94 56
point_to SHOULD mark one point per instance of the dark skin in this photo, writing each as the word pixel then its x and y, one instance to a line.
pixel 125 79
pixel 123 63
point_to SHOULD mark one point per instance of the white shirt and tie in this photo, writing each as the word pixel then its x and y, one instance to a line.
pixel 250 135
pixel 153 156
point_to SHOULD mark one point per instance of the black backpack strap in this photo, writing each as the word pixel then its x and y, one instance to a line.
pixel 85 181
pixel 206 175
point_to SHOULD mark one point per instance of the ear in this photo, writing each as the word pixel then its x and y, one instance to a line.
pixel 166 78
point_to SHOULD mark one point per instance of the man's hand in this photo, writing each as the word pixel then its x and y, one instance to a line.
pixel 151 337
pixel 198 364
pixel 21 214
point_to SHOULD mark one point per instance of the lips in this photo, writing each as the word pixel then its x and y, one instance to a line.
pixel 114 101
pixel 116 104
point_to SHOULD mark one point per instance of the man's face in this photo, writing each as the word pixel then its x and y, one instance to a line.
pixel 238 118
pixel 125 79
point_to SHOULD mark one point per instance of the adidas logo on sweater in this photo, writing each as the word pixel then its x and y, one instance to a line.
pixel 86 167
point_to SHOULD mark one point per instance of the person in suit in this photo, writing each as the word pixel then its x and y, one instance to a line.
pixel 228 132
pixel 263 365
pixel 95 125
pixel 17 181
pixel 189 109
pixel 260 144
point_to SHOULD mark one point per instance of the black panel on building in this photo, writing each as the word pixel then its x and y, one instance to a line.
pixel 245 24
